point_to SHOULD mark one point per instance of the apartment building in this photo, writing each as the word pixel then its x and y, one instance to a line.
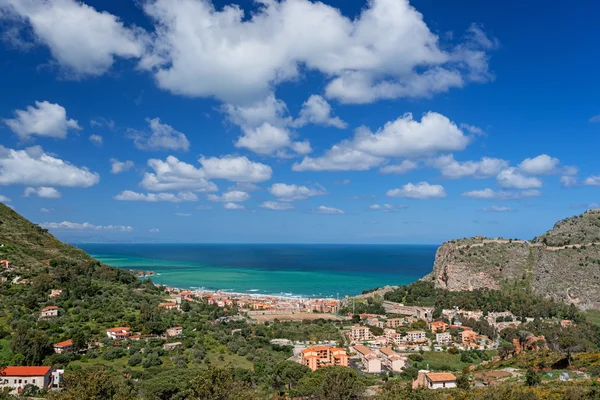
pixel 392 360
pixel 323 356
pixel 361 333
pixel 370 361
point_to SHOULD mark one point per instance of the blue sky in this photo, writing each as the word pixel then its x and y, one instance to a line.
pixel 295 121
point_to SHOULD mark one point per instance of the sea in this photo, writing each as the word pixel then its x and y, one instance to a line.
pixel 305 270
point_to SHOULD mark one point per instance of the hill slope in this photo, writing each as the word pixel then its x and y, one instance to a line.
pixel 563 263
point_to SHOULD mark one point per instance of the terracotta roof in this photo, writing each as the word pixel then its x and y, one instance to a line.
pixel 440 376
pixel 50 308
pixel 363 349
pixel 167 304
pixel 26 371
pixel 118 329
pixel 65 343
pixel 388 352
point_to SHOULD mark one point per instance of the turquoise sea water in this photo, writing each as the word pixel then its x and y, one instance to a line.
pixel 304 270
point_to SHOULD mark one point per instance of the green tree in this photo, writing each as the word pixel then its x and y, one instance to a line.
pixel 532 378
pixel 333 383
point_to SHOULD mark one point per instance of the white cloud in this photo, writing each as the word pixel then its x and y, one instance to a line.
pixel 592 181
pixel 402 168
pixel 422 190
pixel 496 209
pixel 386 52
pixel 234 196
pixel 45 210
pixel 161 137
pixel 595 118
pixel 485 168
pixel 472 129
pixel 512 178
pixel 233 206
pixel 385 207
pixel 116 166
pixel 154 230
pixel 268 139
pixel 276 206
pixel 285 192
pixel 342 182
pixel 85 226
pixel 568 181
pixel 183 215
pixel 4 199
pixel 43 192
pixel 236 169
pixel 96 140
pixel 129 195
pixel 173 174
pixel 540 165
pixel 32 166
pixel 316 110
pixel 82 40
pixel 327 210
pixel 269 109
pixel 44 119
pixel 340 157
pixel 102 122
pixel 489 194
pixel 244 187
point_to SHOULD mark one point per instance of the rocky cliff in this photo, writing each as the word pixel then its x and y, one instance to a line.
pixel 563 263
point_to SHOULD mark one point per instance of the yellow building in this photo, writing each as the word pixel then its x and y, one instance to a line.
pixel 323 356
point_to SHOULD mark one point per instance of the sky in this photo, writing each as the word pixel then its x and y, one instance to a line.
pixel 293 121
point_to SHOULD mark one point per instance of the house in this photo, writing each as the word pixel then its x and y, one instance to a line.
pixel 438 326
pixel 443 338
pixel 55 292
pixel 415 336
pixel 375 322
pixel 17 378
pixel 468 338
pixel 565 323
pixel 172 346
pixel 316 357
pixel 5 264
pixel 63 347
pixel 392 360
pixel 49 312
pixel 120 332
pixel 392 337
pixel 360 333
pixel 175 331
pixel 394 322
pixel 169 306
pixel 434 380
pixel 369 359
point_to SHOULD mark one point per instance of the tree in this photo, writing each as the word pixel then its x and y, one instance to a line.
pixel 333 383
pixel 288 374
pixel 462 382
pixel 219 384
pixel 532 378
pixel 94 384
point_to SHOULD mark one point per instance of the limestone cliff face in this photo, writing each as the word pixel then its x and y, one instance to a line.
pixel 563 264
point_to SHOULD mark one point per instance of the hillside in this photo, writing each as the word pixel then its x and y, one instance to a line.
pixel 28 245
pixel 562 264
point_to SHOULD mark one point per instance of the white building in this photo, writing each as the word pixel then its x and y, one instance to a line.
pixel 415 336
pixel 120 332
pixel 17 378
pixel 369 359
pixel 49 312
pixel 360 333
pixel 392 360
pixel 392 337
pixel 440 380
pixel 443 338
pixel 175 331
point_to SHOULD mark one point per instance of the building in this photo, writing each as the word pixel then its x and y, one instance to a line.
pixel 415 336
pixel 392 337
pixel 63 347
pixel 369 359
pixel 55 292
pixel 375 322
pixel 323 356
pixel 171 346
pixel 394 322
pixel 5 264
pixel 434 380
pixel 175 331
pixel 120 332
pixel 425 313
pixel 392 360
pixel 360 333
pixel 438 326
pixel 169 306
pixel 469 338
pixel 443 338
pixel 17 378
pixel 49 312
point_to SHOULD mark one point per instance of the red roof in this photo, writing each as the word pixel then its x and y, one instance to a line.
pixel 50 308
pixel 119 329
pixel 26 371
pixel 66 343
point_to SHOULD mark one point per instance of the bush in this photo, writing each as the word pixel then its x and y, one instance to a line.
pixel 416 357
pixel 113 354
pixel 135 359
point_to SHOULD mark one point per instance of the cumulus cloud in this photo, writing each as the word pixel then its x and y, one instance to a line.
pixel 404 137
pixel 386 52
pixel 421 190
pixel 96 140
pixel 75 226
pixel 268 139
pixel 327 210
pixel 512 178
pixel 5 199
pixel 472 129
pixel 316 110
pixel 233 206
pixel 32 166
pixel 496 209
pixel 161 137
pixel 540 165
pixel 485 168
pixel 276 206
pixel 490 194
pixel 44 119
pixel 402 168
pixel 43 192
pixel 244 187
pixel 183 215
pixel 45 210
pixel 82 40
pixel 116 166
pixel 592 181
pixel 173 174
pixel 285 192
pixel 236 169
pixel 154 230
pixel 129 195
pixel 102 122
pixel 385 207
pixel 234 196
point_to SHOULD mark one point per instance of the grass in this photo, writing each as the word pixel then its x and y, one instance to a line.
pixel 441 360
pixel 5 351
pixel 232 360
pixel 593 317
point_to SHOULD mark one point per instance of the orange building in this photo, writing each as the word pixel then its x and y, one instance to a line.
pixel 469 338
pixel 438 327
pixel 323 356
